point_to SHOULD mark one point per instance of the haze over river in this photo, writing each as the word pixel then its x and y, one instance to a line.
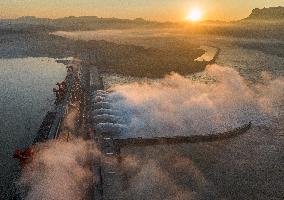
pixel 25 97
pixel 248 167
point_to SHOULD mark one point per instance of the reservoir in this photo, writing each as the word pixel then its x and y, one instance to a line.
pixel 25 97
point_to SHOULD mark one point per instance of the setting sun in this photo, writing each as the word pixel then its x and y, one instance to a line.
pixel 194 15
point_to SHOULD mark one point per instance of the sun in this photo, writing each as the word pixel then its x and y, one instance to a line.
pixel 194 15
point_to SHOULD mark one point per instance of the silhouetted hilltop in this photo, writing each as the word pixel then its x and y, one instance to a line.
pixel 77 23
pixel 272 13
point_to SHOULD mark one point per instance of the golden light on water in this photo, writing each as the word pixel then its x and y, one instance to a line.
pixel 194 15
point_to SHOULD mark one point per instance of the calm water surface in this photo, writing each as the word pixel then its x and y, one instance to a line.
pixel 25 97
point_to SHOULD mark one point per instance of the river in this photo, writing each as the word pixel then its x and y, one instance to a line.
pixel 26 95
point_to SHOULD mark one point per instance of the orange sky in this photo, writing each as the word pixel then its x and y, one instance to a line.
pixel 161 10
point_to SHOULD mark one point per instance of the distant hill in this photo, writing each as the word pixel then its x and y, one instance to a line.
pixel 268 14
pixel 76 23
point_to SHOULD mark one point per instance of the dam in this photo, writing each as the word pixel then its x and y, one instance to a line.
pixel 98 120
pixel 106 128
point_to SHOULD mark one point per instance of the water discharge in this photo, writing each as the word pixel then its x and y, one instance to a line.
pixel 177 105
pixel 171 106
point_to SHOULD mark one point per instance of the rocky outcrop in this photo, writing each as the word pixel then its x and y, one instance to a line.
pixel 272 13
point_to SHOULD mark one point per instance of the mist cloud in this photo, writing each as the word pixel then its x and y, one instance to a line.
pixel 171 106
pixel 177 105
pixel 59 170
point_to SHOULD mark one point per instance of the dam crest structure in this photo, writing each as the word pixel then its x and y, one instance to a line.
pixel 99 121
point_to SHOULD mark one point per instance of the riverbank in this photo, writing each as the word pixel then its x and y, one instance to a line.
pixel 210 55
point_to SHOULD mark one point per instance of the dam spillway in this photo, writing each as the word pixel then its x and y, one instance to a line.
pixel 108 129
pixel 100 121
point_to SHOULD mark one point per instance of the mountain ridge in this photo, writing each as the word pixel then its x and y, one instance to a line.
pixel 267 14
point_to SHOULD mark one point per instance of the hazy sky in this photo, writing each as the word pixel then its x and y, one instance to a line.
pixel 162 10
